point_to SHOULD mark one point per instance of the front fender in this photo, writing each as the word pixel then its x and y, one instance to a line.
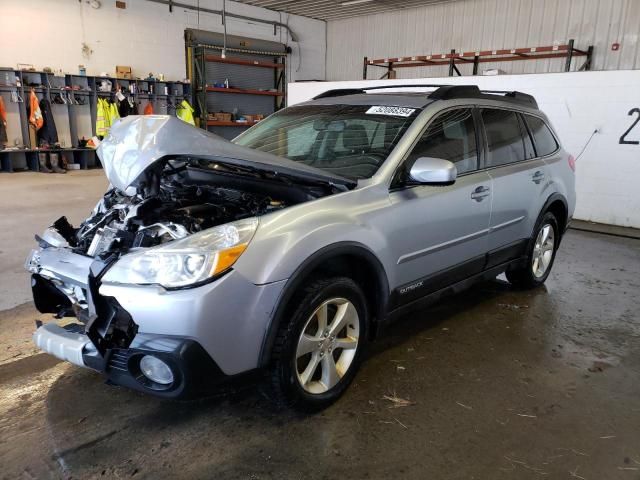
pixel 285 239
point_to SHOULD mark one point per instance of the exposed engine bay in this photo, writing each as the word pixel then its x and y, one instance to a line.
pixel 159 194
pixel 184 197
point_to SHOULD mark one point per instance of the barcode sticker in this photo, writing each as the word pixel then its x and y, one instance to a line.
pixel 395 111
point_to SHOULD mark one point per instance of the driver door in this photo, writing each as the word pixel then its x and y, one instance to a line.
pixel 439 234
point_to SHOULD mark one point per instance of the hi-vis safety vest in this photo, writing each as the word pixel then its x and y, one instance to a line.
pixel 101 125
pixel 184 112
pixel 113 114
pixel 106 115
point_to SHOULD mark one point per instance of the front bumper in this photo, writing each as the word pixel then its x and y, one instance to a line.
pixel 194 372
pixel 211 331
pixel 65 344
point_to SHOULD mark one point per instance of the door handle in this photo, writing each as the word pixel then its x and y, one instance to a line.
pixel 537 177
pixel 480 193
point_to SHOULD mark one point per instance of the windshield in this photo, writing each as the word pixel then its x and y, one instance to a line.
pixel 349 140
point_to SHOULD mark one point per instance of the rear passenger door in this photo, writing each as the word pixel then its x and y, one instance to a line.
pixel 518 183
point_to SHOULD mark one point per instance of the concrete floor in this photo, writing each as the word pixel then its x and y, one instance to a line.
pixel 502 385
pixel 30 202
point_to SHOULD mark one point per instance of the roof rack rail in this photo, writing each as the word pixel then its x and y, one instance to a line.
pixel 444 92
pixel 515 96
pixel 472 91
pixel 340 92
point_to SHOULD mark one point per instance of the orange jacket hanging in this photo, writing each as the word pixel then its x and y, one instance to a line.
pixel 148 109
pixel 3 112
pixel 35 115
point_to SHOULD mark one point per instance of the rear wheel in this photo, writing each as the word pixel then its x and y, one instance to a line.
pixel 319 349
pixel 541 253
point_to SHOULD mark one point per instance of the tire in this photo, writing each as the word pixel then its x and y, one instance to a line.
pixel 531 274
pixel 292 379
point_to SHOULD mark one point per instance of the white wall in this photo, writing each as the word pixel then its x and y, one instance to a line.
pixel 471 25
pixel 608 173
pixel 144 36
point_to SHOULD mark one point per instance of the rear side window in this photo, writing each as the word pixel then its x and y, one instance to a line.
pixel 450 136
pixel 504 137
pixel 544 140
pixel 529 151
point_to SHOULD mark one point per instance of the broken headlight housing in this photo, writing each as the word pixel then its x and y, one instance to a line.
pixel 188 261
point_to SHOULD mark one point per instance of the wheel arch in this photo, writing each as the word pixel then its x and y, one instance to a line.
pixel 350 259
pixel 557 204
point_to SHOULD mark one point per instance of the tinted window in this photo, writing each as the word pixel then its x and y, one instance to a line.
pixel 349 140
pixel 504 137
pixel 544 140
pixel 450 136
pixel 529 151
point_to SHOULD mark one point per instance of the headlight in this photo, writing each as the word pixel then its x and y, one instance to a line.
pixel 187 261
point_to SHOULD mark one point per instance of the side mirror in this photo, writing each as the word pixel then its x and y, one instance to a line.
pixel 433 171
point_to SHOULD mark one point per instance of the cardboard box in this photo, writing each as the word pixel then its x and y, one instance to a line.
pixel 223 116
pixel 123 72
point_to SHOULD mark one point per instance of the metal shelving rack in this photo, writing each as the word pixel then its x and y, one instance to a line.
pixel 76 86
pixel 453 58
pixel 257 85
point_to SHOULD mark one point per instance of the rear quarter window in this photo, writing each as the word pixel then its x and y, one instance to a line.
pixel 544 141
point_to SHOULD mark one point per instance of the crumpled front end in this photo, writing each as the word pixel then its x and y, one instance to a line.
pixel 59 283
pixel 94 331
pixel 66 285
pixel 146 286
pixel 202 335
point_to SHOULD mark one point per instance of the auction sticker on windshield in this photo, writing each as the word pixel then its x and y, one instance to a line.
pixel 395 111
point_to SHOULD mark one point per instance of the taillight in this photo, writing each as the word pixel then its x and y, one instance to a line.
pixel 572 163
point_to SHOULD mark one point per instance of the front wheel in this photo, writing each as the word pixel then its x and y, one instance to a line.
pixel 541 252
pixel 318 350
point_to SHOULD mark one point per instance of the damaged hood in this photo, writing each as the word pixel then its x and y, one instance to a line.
pixel 136 142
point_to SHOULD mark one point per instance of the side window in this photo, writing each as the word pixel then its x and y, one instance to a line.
pixel 504 137
pixel 529 151
pixel 544 140
pixel 450 136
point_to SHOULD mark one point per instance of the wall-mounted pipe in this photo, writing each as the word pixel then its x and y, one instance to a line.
pixel 294 37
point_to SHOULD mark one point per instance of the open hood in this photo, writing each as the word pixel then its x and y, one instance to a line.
pixel 136 142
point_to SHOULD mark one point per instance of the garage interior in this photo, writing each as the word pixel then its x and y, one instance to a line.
pixel 491 383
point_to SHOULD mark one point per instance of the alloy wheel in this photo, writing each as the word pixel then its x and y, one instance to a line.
pixel 543 251
pixel 327 345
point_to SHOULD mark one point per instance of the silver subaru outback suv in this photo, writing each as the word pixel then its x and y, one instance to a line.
pixel 287 250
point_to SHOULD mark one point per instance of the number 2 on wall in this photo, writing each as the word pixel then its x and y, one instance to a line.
pixel 623 138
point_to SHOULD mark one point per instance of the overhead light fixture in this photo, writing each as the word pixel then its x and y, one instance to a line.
pixel 354 2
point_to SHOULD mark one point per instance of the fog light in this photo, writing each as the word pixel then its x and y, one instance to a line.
pixel 156 370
